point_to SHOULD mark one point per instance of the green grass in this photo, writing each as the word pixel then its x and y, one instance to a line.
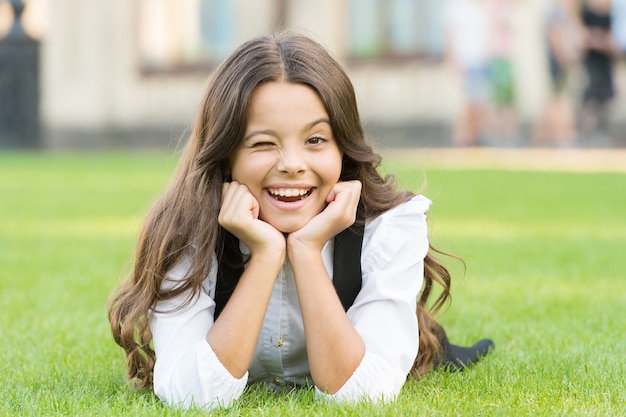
pixel 545 279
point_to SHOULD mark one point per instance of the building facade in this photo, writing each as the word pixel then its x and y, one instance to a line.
pixel 133 71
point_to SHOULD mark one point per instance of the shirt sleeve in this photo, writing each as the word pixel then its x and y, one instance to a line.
pixel 187 371
pixel 384 311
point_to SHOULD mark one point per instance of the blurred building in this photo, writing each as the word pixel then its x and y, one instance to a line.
pixel 122 72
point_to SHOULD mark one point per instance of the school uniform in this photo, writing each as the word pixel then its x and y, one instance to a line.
pixel 187 371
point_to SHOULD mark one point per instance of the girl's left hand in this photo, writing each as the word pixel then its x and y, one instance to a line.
pixel 339 214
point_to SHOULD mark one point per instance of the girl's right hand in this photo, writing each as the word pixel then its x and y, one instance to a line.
pixel 239 214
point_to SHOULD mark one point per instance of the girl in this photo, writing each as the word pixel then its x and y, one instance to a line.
pixel 276 167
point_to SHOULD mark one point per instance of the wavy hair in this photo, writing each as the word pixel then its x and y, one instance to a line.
pixel 187 211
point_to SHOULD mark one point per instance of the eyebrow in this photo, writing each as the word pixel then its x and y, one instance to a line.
pixel 271 132
pixel 314 123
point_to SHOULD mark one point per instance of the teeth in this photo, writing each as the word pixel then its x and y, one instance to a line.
pixel 288 192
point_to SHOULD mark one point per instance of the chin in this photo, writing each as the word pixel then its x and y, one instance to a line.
pixel 288 222
pixel 288 228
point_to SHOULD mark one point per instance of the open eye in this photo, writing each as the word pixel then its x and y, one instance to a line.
pixel 315 140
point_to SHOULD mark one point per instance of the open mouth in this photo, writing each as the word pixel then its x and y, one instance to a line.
pixel 289 195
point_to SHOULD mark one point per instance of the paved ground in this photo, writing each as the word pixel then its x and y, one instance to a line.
pixel 575 160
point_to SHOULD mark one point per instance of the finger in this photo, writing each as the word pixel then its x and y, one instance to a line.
pixel 331 195
pixel 347 196
pixel 348 191
pixel 228 192
pixel 228 189
pixel 231 195
pixel 239 205
pixel 356 191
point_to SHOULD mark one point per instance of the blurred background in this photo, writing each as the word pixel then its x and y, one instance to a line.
pixel 428 73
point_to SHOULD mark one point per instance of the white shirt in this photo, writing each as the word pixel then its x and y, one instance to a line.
pixel 187 371
pixel 467 24
pixel 618 23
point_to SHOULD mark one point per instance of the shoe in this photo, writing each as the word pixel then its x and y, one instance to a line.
pixel 457 358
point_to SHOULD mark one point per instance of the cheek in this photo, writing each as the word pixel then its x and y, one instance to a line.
pixel 251 169
pixel 332 168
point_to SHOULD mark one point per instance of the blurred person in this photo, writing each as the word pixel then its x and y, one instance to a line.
pixel 563 34
pixel 599 51
pixel 618 26
pixel 466 29
pixel 503 119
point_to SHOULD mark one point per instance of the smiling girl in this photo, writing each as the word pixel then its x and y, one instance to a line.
pixel 276 168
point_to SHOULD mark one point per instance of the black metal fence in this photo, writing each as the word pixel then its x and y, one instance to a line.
pixel 19 86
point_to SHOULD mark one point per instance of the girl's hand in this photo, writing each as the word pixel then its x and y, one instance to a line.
pixel 239 214
pixel 339 214
pixel 335 349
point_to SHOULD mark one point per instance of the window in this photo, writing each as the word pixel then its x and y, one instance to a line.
pixel 387 29
pixel 176 35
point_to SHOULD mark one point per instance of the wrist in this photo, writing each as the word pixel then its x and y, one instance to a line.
pixel 269 257
pixel 298 250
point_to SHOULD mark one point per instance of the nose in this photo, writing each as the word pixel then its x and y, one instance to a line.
pixel 291 161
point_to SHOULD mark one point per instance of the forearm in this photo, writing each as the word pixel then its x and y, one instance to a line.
pixel 334 347
pixel 197 377
pixel 234 334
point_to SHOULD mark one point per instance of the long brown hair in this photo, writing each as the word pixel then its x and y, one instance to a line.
pixel 187 211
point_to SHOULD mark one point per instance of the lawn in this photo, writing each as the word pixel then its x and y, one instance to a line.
pixel 545 260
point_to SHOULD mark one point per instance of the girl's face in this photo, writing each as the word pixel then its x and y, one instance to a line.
pixel 288 159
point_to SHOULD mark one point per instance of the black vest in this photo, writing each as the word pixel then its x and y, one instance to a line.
pixel 346 267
